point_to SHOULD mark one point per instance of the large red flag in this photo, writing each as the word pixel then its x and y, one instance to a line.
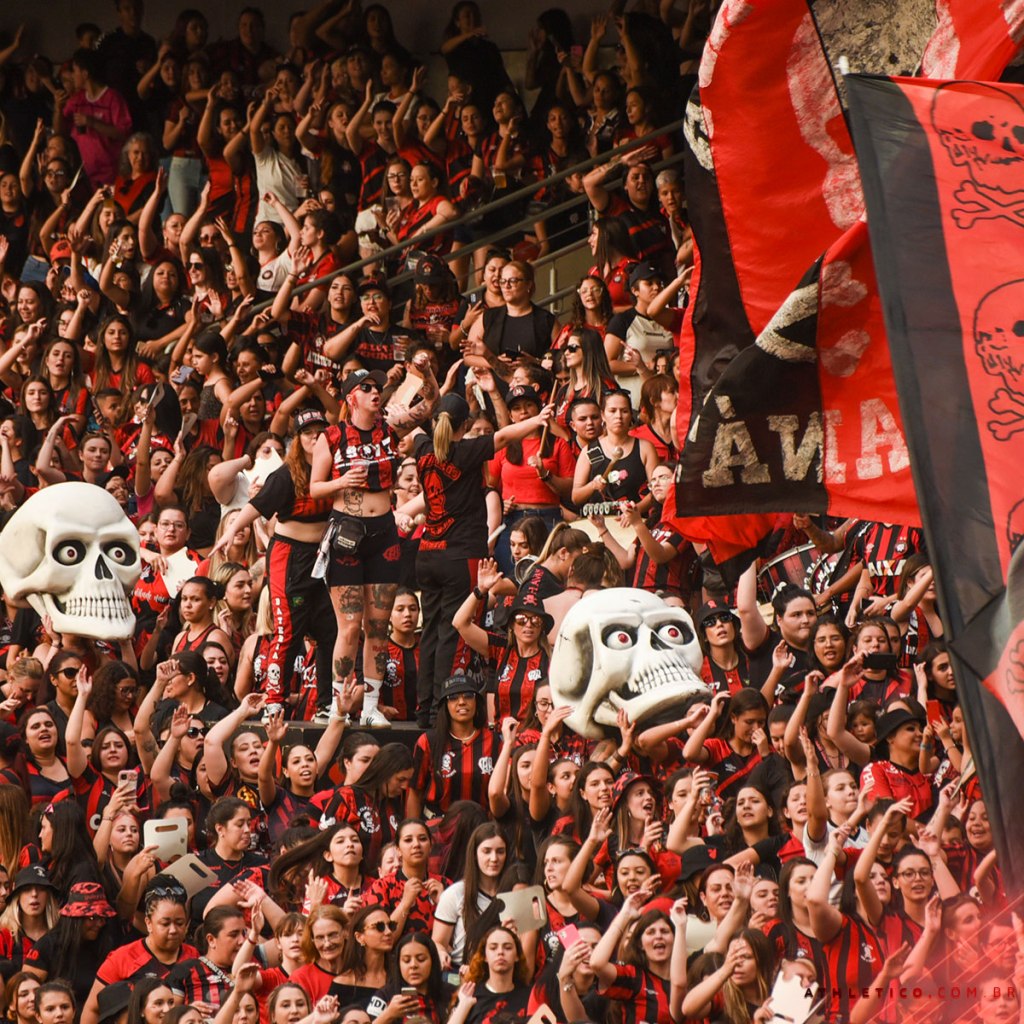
pixel 943 170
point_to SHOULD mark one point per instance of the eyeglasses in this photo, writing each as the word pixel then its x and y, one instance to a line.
pixel 171 526
pixel 918 873
pixel 525 619
pixel 56 172
pixel 195 732
pixel 511 282
pixel 367 387
pixel 397 176
pixel 572 347
pixel 127 691
pixel 383 926
pixel 545 705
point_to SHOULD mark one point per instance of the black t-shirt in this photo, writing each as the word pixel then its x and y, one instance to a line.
pixel 456 511
pixel 375 349
pixel 761 663
pixel 540 584
pixel 277 497
pixel 489 1004
pixel 45 956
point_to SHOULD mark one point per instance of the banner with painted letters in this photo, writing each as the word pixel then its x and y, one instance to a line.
pixel 943 169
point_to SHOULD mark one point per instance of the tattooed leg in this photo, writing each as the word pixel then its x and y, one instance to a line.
pixel 348 610
pixel 378 599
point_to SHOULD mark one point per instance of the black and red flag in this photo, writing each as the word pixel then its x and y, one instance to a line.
pixel 942 163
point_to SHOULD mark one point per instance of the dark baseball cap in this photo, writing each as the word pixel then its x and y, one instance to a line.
pixel 357 377
pixel 644 272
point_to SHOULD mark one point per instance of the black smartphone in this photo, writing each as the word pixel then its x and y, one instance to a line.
pixel 888 662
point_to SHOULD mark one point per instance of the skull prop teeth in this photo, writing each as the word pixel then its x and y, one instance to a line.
pixel 623 649
pixel 72 554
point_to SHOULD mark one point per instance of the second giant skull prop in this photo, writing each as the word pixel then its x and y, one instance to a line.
pixel 72 554
pixel 623 649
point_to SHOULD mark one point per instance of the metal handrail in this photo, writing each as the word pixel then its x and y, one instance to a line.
pixel 496 204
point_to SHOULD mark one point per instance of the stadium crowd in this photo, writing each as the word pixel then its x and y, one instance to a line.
pixel 365 507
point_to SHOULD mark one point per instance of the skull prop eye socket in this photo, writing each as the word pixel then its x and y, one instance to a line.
pixel 619 638
pixel 675 634
pixel 120 553
pixel 69 552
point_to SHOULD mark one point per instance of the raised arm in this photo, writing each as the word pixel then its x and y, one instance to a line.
pixel 78 756
pixel 694 748
pixel 464 619
pixel 753 628
pixel 497 792
pixel 219 733
pixel 826 920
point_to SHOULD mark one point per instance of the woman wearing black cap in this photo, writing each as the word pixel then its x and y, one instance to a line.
pixel 30 914
pixel 519 658
pixel 298 603
pixel 354 465
pixel 455 533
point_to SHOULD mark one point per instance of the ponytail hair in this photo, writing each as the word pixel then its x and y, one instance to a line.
pixel 444 433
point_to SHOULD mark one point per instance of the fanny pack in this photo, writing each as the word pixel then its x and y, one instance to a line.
pixel 348 532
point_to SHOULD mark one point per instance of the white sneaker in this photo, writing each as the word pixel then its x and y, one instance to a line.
pixel 374 719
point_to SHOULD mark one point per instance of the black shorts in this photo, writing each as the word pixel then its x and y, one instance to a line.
pixel 376 558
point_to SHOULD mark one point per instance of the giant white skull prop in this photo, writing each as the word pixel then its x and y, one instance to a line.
pixel 72 554
pixel 623 649
pixel 983 132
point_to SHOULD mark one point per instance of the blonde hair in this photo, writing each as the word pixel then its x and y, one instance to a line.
pixel 11 917
pixel 222 574
pixel 444 434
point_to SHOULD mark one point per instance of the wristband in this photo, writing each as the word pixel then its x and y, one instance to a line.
pixel 479 594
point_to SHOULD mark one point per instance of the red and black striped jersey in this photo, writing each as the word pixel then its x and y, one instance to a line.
pixel 792 944
pixel 672 576
pixel 647 228
pixel 725 680
pixel 373 160
pixel 644 997
pixel 881 691
pixel 516 677
pixel 465 769
pixel 895 928
pixel 337 895
pixel 15 950
pixel 95 790
pixel 200 980
pixel 377 824
pixel 376 447
pixel 285 808
pixel 733 769
pixel 310 332
pixel 387 891
pixel 883 548
pixel 569 745
pixel 400 676
pixel 854 957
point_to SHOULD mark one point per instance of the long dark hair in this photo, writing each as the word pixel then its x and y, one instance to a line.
pixel 471 878
pixel 353 954
pixel 396 982
pixel 579 809
pixel 68 949
pixel 441 737
pixel 387 762
pixel 289 871
pixel 70 848
pixel 452 836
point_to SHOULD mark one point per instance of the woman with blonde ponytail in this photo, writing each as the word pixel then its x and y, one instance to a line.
pixel 455 533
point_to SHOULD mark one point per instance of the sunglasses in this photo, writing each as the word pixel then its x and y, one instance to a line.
pixel 722 618
pixel 68 673
pixel 383 926
pixel 195 263
pixel 524 619
pixel 195 732
pixel 366 388
pixel 573 347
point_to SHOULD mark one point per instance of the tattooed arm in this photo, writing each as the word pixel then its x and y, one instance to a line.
pixel 403 420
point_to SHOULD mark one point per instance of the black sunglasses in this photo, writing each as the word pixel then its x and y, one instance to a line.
pixel 719 619
pixel 195 732
pixel 68 673
pixel 383 926
pixel 367 387
pixel 572 347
